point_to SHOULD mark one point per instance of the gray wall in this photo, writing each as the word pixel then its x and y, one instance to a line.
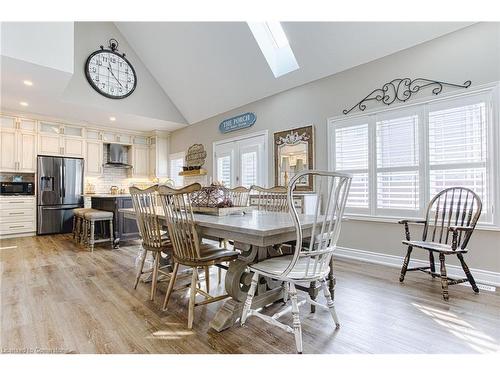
pixel 472 53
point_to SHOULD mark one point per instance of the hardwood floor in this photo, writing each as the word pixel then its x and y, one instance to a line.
pixel 56 296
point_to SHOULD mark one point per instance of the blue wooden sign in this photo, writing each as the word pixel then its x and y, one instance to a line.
pixel 238 122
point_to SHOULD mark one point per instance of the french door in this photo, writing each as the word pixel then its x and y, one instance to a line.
pixel 241 162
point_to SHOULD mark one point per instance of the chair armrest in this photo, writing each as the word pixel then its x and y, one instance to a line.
pixel 413 221
pixel 455 229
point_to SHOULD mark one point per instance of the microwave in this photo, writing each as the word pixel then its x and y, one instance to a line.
pixel 17 188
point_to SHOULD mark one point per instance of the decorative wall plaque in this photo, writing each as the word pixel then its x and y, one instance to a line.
pixel 195 157
pixel 238 122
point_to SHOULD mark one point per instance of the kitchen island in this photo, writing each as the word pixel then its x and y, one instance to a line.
pixel 125 228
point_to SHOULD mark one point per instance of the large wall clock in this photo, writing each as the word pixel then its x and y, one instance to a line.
pixel 110 73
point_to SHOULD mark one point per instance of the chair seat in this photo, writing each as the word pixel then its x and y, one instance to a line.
pixel 210 255
pixel 434 246
pixel 81 211
pixel 275 266
pixel 98 215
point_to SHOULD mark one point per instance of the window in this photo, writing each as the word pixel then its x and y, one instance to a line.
pixel 241 161
pixel 274 45
pixel 176 164
pixel 401 158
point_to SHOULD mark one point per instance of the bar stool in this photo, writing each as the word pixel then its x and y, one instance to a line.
pixel 78 222
pixel 91 217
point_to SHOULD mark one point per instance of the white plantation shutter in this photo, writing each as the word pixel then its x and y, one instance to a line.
pixel 458 148
pixel 249 168
pixel 351 156
pixel 224 170
pixel 397 163
pixel 400 159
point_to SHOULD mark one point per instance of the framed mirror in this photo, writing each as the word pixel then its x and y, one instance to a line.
pixel 293 153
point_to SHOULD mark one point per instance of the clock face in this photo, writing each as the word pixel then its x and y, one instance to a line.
pixel 110 74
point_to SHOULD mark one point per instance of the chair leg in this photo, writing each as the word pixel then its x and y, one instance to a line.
pixel 192 298
pixel 472 282
pixel 432 264
pixel 444 278
pixel 74 227
pixel 111 233
pixel 248 301
pixel 329 303
pixel 139 272
pixel 92 236
pixel 405 264
pixel 207 279
pixel 219 275
pixel 297 329
pixel 154 281
pixel 170 285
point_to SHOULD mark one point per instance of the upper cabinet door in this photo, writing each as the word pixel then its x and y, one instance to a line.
pixel 8 162
pixel 74 147
pixel 26 151
pixel 109 137
pixel 94 160
pixel 73 131
pixel 49 144
pixel 140 161
pixel 49 128
pixel 27 125
pixel 124 138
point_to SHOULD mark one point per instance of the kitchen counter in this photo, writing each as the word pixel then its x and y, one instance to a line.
pixel 100 195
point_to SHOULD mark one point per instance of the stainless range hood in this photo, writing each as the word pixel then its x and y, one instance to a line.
pixel 117 156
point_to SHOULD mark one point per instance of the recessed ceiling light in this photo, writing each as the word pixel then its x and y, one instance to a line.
pixel 112 118
pixel 24 104
pixel 28 83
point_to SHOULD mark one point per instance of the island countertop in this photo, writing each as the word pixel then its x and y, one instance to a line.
pixel 104 195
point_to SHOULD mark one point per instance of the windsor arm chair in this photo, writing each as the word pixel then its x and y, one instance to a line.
pixel 311 260
pixel 450 220
pixel 187 247
pixel 154 240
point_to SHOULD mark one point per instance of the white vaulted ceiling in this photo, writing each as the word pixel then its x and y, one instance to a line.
pixel 207 68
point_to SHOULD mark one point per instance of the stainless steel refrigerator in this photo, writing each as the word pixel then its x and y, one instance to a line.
pixel 60 189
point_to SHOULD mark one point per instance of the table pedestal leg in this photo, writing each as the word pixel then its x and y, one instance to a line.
pixel 237 283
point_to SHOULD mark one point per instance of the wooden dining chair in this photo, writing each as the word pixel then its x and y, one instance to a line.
pixel 272 199
pixel 154 240
pixel 449 222
pixel 187 247
pixel 311 260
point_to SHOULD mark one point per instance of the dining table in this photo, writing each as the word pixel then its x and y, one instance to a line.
pixel 258 235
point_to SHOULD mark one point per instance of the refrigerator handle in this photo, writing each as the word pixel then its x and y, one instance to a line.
pixel 63 180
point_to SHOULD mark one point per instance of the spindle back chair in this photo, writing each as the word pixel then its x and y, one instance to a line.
pixel 314 246
pixel 239 196
pixel 272 199
pixel 188 249
pixel 450 220
pixel 150 229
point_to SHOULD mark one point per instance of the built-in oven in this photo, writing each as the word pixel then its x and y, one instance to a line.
pixel 17 188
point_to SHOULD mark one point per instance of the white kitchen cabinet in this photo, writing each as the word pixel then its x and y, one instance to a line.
pixel 140 161
pixel 18 145
pixel 61 140
pixel 94 159
pixel 158 157
pixel 17 216
pixel 124 138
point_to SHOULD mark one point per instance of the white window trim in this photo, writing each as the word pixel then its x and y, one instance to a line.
pixel 493 161
pixel 176 155
pixel 265 133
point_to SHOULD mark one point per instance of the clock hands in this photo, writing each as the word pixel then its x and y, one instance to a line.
pixel 109 68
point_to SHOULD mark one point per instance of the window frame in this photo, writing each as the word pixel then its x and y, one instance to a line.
pixel 490 93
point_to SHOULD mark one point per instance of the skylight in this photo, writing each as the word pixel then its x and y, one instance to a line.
pixel 274 46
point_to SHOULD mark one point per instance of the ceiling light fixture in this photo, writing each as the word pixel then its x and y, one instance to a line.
pixel 24 104
pixel 28 83
pixel 112 118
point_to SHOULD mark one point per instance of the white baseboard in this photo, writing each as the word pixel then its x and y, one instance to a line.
pixel 481 276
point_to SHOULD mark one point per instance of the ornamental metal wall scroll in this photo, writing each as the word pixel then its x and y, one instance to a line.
pixel 401 89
